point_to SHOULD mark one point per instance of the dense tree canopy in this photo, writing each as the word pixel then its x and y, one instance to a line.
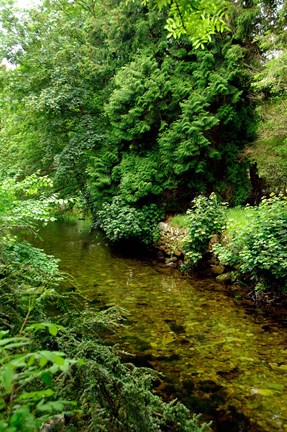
pixel 270 83
pixel 112 104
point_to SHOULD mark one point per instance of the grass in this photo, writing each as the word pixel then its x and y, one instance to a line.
pixel 237 218
pixel 179 221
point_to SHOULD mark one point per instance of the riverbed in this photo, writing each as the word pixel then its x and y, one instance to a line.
pixel 219 355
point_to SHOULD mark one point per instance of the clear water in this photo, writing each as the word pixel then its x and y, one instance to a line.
pixel 221 357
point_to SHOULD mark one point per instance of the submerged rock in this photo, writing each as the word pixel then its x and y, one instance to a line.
pixel 225 278
pixel 171 264
pixel 217 269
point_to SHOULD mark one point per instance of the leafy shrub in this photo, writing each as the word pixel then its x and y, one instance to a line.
pixel 205 218
pixel 25 203
pixel 120 221
pixel 25 270
pixel 30 266
pixel 259 249
pixel 28 396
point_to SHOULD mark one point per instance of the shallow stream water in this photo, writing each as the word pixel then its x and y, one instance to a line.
pixel 219 355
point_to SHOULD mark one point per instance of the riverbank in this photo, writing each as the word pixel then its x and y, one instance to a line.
pixel 170 251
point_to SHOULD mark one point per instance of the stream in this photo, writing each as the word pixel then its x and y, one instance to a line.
pixel 220 355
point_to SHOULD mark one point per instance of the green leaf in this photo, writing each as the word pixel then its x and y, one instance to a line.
pixel 35 395
pixel 47 378
pixel 53 329
pixel 51 406
pixel 59 360
pixel 42 362
pixel 7 375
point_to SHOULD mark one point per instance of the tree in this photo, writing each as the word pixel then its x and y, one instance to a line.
pixel 198 19
pixel 183 110
pixel 110 107
pixel 270 85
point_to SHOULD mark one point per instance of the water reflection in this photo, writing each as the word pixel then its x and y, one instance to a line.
pixel 217 356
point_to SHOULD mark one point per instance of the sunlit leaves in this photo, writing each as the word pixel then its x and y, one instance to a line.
pixel 198 19
pixel 22 203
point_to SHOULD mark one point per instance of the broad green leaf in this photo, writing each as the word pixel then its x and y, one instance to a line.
pixel 43 361
pixel 7 375
pixel 53 330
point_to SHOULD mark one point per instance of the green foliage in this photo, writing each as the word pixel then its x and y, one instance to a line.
pixel 24 203
pixel 185 114
pixel 258 250
pixel 120 221
pixel 140 177
pixel 30 266
pixel 106 104
pixel 27 386
pixel 28 280
pixel 269 150
pixel 198 19
pixel 206 218
pixel 51 118
pixel 27 270
pixel 270 87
